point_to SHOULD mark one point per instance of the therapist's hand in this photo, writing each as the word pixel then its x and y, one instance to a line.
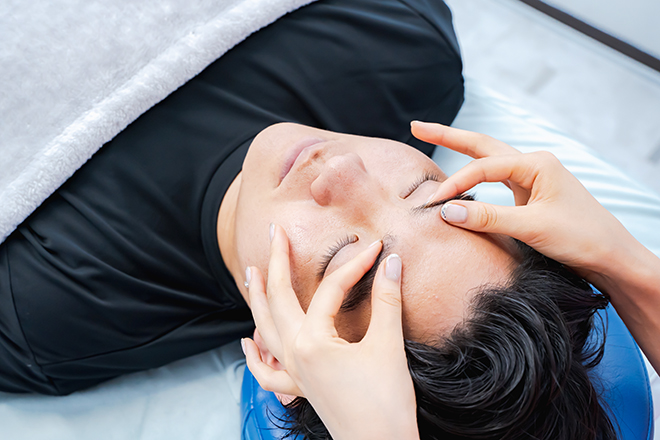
pixel 558 217
pixel 554 213
pixel 360 390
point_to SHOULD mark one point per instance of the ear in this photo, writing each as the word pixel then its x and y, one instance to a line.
pixel 270 360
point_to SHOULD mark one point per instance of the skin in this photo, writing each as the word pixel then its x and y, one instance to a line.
pixel 347 383
pixel 350 385
pixel 558 217
pixel 356 187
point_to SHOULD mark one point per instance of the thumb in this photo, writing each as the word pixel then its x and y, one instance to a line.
pixel 386 299
pixel 483 217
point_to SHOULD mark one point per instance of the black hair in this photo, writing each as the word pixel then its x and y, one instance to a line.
pixel 516 367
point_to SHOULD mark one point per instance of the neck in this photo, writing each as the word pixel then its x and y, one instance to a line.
pixel 226 228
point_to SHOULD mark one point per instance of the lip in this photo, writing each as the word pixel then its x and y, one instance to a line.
pixel 294 153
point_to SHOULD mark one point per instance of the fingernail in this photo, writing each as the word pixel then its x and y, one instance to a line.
pixel 393 267
pixel 243 346
pixel 374 244
pixel 248 277
pixel 454 213
pixel 271 231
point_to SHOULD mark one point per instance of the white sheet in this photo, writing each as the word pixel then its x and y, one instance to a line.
pixel 197 398
pixel 74 73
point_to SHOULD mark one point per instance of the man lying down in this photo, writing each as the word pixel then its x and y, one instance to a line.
pixel 139 259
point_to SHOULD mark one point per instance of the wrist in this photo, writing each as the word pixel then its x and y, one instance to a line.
pixel 633 285
pixel 623 269
pixel 631 279
pixel 615 262
pixel 382 432
pixel 400 426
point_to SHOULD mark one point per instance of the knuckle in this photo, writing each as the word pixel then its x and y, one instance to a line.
pixel 441 137
pixel 271 292
pixel 488 218
pixel 546 157
pixel 475 168
pixel 275 285
pixel 483 138
pixel 266 384
pixel 391 299
pixel 304 348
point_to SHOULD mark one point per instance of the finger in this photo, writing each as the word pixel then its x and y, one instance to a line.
pixel 282 299
pixel 484 217
pixel 475 145
pixel 519 170
pixel 260 309
pixel 330 294
pixel 270 379
pixel 386 301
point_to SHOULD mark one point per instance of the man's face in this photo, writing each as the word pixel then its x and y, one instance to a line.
pixel 335 194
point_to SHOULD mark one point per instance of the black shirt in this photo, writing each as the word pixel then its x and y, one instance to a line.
pixel 120 270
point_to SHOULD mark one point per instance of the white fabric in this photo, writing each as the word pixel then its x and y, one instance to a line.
pixel 195 398
pixel 74 73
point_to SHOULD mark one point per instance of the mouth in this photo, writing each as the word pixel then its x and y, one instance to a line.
pixel 294 153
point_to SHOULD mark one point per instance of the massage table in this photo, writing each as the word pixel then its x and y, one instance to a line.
pixel 46 140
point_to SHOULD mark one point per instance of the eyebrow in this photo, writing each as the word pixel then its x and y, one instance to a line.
pixel 436 203
pixel 357 294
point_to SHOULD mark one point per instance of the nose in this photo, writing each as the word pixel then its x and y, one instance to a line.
pixel 342 180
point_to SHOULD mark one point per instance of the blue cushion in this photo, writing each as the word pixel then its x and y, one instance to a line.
pixel 621 376
pixel 261 412
pixel 623 381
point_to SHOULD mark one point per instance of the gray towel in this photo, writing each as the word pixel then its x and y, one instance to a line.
pixel 74 73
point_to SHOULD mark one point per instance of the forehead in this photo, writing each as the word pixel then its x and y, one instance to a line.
pixel 443 268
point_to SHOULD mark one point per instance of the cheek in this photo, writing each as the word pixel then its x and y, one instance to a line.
pixel 252 240
pixel 308 237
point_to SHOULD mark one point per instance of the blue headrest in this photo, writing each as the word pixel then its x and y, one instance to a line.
pixel 622 379
pixel 260 411
pixel 621 376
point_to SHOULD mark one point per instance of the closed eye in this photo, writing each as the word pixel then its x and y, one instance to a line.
pixel 332 251
pixel 428 175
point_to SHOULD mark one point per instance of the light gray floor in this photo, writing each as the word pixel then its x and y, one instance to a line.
pixel 594 94
pixel 633 21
